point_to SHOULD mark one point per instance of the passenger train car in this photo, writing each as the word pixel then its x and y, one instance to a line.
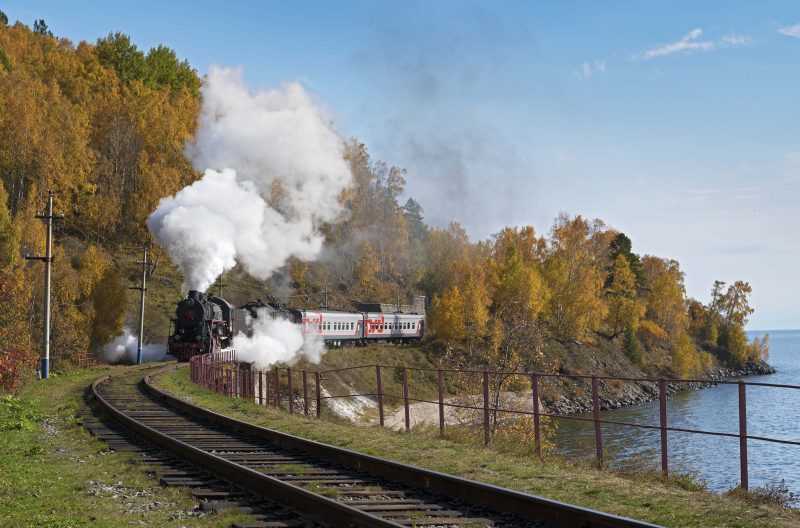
pixel 339 328
pixel 205 323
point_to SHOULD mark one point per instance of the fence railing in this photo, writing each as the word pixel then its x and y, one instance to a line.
pixel 221 373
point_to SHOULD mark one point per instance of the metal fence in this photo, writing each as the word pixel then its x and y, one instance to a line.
pixel 287 388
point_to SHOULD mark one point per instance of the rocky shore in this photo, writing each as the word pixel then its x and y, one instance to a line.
pixel 562 396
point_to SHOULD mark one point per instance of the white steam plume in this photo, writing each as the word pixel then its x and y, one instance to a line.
pixel 274 168
pixel 124 348
pixel 275 341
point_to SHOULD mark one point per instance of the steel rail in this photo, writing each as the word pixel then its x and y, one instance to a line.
pixel 495 498
pixel 324 510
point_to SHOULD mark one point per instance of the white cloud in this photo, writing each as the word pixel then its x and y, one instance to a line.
pixel 790 31
pixel 736 40
pixel 587 69
pixel 692 42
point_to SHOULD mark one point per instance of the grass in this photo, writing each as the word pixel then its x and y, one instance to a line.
pixel 53 473
pixel 645 495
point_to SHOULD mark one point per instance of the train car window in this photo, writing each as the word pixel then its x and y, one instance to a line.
pixel 413 326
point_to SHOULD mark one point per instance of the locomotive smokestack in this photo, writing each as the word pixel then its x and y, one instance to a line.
pixel 196 295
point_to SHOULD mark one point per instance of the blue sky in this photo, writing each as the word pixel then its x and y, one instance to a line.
pixel 676 123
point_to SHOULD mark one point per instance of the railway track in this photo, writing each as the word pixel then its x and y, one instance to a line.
pixel 289 481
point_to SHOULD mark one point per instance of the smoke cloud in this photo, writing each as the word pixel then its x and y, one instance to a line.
pixel 274 169
pixel 275 341
pixel 123 350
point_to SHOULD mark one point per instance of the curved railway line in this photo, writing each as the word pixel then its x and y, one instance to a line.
pixel 287 481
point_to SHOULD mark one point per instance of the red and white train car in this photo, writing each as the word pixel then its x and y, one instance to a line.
pixel 343 328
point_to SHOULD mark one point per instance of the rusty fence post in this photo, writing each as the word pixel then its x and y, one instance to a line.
pixel 662 408
pixel 277 388
pixel 319 395
pixel 598 432
pixel 268 388
pixel 486 430
pixel 252 384
pixel 379 384
pixel 743 434
pixel 305 393
pixel 405 398
pixel 440 383
pixel 229 386
pixel 537 426
pixel 261 387
pixel 289 384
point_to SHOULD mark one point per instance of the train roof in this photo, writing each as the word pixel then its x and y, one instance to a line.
pixel 332 312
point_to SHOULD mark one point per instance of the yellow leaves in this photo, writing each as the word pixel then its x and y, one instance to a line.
pixel 520 290
pixel 666 297
pixel 686 359
pixel 366 268
pixel 447 315
pixel 650 334
pixel 476 307
pixel 573 270
pixel 624 309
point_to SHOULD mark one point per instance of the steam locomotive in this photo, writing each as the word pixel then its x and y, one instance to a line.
pixel 205 323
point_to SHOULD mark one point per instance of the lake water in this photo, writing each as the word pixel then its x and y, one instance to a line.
pixel 771 412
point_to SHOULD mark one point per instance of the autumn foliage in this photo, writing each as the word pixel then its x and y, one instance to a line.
pixel 104 125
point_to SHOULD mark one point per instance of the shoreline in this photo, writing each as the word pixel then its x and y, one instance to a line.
pixel 616 394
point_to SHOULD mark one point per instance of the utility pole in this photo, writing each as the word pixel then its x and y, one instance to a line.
pixel 219 285
pixel 48 218
pixel 143 288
